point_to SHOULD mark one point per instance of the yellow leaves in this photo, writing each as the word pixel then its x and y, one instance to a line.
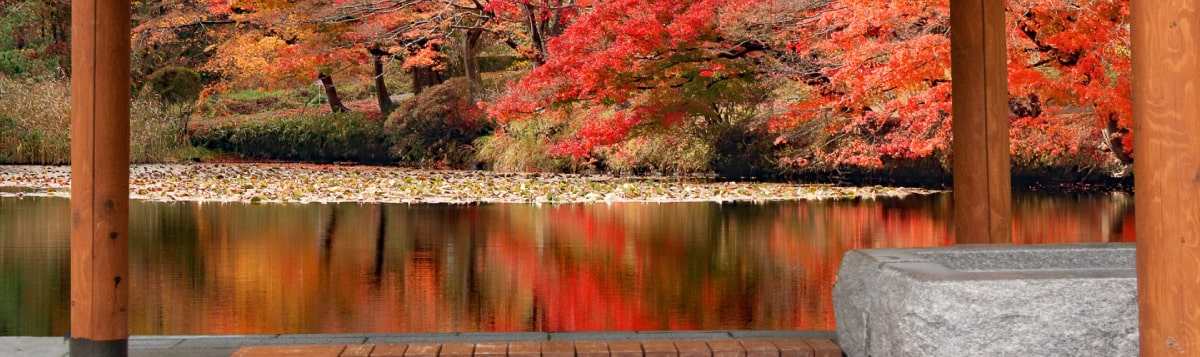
pixel 247 58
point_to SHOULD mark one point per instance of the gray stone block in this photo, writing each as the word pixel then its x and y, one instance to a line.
pixel 219 342
pixel 200 337
pixel 684 335
pixel 594 336
pixel 791 334
pixel 145 343
pixel 33 346
pixel 471 337
pixel 314 340
pixel 184 352
pixel 1038 300
pixel 414 338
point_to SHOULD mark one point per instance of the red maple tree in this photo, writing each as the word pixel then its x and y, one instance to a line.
pixel 881 88
pixel 627 66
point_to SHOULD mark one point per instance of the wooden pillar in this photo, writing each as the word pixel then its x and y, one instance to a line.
pixel 1166 121
pixel 982 187
pixel 100 52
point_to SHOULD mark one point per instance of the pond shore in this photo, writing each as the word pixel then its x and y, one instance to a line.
pixel 309 183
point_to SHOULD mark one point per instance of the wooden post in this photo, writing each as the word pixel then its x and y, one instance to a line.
pixel 1166 121
pixel 982 187
pixel 100 49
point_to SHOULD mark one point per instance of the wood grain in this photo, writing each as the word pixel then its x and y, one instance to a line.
pixel 1166 114
pixel 100 50
pixel 982 184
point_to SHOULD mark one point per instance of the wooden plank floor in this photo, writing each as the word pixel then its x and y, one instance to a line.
pixel 655 348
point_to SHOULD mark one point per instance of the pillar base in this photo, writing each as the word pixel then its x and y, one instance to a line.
pixel 82 347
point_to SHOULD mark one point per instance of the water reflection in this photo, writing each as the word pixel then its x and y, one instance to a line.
pixel 235 269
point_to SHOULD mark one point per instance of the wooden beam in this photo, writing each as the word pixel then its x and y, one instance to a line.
pixel 100 50
pixel 982 186
pixel 1166 121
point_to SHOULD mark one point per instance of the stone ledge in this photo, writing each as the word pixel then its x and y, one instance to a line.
pixel 1074 300
pixel 649 348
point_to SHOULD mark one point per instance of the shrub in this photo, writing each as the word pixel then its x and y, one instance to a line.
pixel 439 126
pixel 248 102
pixel 13 62
pixel 175 84
pixel 325 137
pixel 497 63
pixel 1067 148
pixel 27 63
pixel 521 146
pixel 742 151
pixel 667 152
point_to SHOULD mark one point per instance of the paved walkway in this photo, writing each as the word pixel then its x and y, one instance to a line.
pixel 516 344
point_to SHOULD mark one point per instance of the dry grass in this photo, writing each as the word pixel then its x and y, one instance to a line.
pixel 35 125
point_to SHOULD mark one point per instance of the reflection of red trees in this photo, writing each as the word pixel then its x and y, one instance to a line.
pixel 1101 219
pixel 628 266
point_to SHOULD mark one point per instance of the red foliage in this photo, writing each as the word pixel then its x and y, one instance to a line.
pixel 884 83
pixel 1072 58
pixel 873 76
pixel 304 60
pixel 634 63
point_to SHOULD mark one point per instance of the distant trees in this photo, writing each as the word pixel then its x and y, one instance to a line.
pixel 35 37
pixel 801 84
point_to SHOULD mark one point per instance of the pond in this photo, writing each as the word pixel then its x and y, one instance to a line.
pixel 229 268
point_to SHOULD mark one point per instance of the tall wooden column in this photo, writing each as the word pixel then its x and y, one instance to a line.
pixel 100 52
pixel 1166 119
pixel 982 187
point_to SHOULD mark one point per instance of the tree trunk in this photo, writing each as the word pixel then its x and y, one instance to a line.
pixel 1112 137
pixel 535 35
pixel 471 57
pixel 381 90
pixel 556 25
pixel 335 101
pixel 424 77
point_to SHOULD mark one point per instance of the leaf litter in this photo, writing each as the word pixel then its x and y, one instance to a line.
pixel 310 183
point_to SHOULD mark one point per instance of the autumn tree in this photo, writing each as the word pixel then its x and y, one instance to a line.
pixel 175 33
pixel 423 28
pixel 539 21
pixel 1070 60
pixel 272 42
pixel 880 91
pixel 880 87
pixel 638 66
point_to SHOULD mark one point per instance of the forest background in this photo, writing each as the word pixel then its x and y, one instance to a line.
pixel 828 90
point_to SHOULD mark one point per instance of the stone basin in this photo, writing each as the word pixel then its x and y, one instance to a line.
pixel 985 300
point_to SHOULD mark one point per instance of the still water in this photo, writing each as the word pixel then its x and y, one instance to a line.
pixel 278 268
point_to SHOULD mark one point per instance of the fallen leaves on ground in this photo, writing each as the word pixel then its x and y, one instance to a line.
pixel 307 183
